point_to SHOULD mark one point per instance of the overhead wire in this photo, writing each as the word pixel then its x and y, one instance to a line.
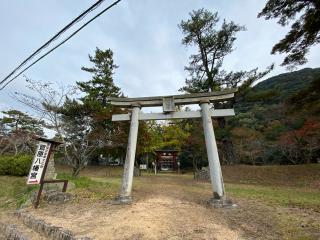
pixel 61 43
pixel 55 37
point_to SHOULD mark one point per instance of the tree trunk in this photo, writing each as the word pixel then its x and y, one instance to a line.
pixel 15 149
pixel 228 149
pixel 195 164
pixel 76 171
pixel 5 149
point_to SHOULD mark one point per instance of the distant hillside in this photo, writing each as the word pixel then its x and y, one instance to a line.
pixel 279 88
pixel 289 83
pixel 278 120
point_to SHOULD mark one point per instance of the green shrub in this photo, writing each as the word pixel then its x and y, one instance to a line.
pixel 21 165
pixel 5 164
pixel 18 165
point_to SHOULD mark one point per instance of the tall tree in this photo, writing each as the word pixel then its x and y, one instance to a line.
pixel 212 46
pixel 150 137
pixel 97 90
pixel 83 126
pixel 175 134
pixel 101 85
pixel 205 67
pixel 46 99
pixel 304 32
pixel 79 139
pixel 193 149
pixel 17 129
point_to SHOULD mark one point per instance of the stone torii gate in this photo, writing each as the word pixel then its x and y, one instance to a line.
pixel 169 112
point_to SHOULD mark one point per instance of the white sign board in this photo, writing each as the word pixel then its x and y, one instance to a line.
pixel 38 163
pixel 143 166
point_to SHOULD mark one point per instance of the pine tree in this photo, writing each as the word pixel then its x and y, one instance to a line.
pixel 101 85
pixel 205 67
pixel 304 32
pixel 212 46
pixel 109 135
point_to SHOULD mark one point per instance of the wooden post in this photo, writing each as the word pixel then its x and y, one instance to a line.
pixel 43 173
pixel 36 204
pixel 212 151
pixel 125 193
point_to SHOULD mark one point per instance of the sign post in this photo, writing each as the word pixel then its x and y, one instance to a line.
pixel 39 166
pixel 143 166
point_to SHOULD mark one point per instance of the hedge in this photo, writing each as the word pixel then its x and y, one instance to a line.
pixel 18 165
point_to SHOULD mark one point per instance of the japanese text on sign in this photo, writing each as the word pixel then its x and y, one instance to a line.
pixel 38 163
pixel 143 166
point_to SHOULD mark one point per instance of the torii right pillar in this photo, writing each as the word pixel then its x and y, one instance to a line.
pixel 219 197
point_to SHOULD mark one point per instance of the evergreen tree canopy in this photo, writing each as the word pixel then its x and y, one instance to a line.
pixel 16 131
pixel 212 46
pixel 98 89
pixel 205 67
pixel 17 121
pixel 304 33
pixel 101 85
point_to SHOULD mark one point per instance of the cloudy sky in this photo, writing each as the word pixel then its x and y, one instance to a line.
pixel 143 35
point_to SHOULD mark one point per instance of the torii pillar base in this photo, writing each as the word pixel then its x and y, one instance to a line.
pixel 221 203
pixel 122 200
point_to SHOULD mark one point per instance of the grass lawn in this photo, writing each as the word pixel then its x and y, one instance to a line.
pixel 90 188
pixel 282 196
pixel 14 192
pixel 292 191
pixel 289 186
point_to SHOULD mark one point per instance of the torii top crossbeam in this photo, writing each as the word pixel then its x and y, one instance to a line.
pixel 183 99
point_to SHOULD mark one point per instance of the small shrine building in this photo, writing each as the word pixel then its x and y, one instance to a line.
pixel 167 160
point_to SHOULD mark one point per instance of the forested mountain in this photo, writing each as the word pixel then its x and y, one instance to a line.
pixel 277 121
pixel 279 88
pixel 290 82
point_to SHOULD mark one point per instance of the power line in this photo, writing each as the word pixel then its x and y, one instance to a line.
pixel 61 43
pixel 55 37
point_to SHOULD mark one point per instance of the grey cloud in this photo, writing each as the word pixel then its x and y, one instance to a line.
pixel 143 35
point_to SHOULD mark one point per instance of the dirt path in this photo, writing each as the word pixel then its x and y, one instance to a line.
pixel 162 209
pixel 165 207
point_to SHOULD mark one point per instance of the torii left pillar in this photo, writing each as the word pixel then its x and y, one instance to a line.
pixel 125 196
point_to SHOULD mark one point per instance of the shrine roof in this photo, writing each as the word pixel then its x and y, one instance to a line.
pixel 167 150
